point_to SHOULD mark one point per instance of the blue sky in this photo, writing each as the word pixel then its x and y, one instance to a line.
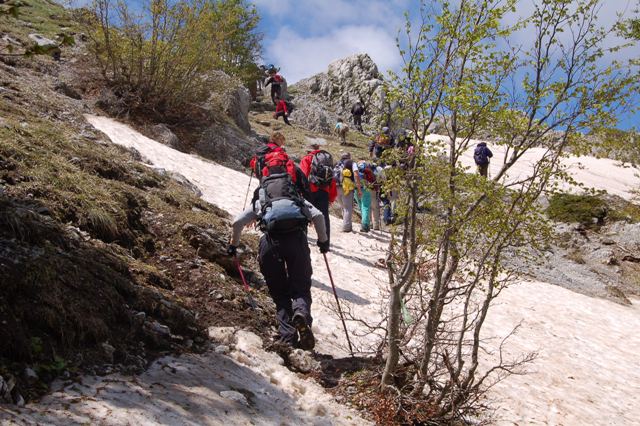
pixel 304 36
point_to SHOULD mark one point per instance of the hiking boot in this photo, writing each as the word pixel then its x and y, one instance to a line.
pixel 306 341
pixel 364 229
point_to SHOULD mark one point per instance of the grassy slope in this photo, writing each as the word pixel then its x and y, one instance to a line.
pixel 90 237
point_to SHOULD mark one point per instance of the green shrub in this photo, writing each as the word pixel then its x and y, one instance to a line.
pixel 573 208
pixel 158 54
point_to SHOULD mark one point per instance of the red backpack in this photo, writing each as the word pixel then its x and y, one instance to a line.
pixel 278 78
pixel 277 162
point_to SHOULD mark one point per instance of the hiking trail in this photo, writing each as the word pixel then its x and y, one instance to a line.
pixel 588 348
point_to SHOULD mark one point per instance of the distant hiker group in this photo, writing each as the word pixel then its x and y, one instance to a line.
pixel 290 197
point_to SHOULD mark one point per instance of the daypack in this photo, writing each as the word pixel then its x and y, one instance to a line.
pixel 480 156
pixel 282 210
pixel 383 140
pixel 278 162
pixel 358 109
pixel 277 79
pixel 348 183
pixel 258 161
pixel 366 173
pixel 321 169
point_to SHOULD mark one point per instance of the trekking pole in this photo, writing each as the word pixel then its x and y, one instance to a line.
pixel 246 286
pixel 346 333
pixel 244 206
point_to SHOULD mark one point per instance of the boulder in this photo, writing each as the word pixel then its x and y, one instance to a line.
pixel 163 134
pixel 67 90
pixel 230 95
pixel 46 45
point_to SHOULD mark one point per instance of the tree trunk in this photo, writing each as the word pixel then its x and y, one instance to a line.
pixel 393 328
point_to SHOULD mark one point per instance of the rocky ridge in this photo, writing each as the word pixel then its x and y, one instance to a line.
pixel 323 98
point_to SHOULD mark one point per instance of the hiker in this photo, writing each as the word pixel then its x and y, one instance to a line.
pixel 357 111
pixel 348 179
pixel 283 253
pixel 387 196
pixel 481 156
pixel 276 81
pixel 317 166
pixel 376 193
pixel 364 197
pixel 275 143
pixel 341 130
pixel 380 143
pixel 282 110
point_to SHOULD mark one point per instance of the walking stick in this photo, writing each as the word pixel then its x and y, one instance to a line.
pixel 346 333
pixel 246 286
pixel 244 206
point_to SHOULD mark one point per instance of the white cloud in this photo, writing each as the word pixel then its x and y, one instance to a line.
pixel 321 16
pixel 606 17
pixel 300 57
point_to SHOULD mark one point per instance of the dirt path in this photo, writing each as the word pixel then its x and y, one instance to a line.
pixel 588 348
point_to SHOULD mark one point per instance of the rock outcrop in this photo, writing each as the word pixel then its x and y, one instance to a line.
pixel 320 100
pixel 230 95
pixel 228 138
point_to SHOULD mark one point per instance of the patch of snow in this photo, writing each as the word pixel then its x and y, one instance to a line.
pixel 596 173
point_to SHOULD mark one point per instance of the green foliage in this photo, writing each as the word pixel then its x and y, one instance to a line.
pixel 462 70
pixel 36 346
pixel 162 56
pixel 572 208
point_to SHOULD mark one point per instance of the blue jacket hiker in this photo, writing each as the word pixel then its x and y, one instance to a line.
pixel 481 156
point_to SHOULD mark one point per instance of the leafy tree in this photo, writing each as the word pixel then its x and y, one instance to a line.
pixel 446 267
pixel 161 55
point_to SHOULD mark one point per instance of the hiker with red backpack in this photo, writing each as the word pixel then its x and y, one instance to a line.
pixel 317 166
pixel 283 254
pixel 275 143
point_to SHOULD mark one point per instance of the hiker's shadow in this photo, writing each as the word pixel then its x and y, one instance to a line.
pixel 337 251
pixel 342 294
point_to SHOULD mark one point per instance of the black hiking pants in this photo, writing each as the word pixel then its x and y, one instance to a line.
pixel 284 116
pixel 357 121
pixel 320 200
pixel 285 263
pixel 276 92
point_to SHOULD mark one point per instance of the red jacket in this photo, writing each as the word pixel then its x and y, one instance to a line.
pixel 282 107
pixel 305 166
pixel 272 147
